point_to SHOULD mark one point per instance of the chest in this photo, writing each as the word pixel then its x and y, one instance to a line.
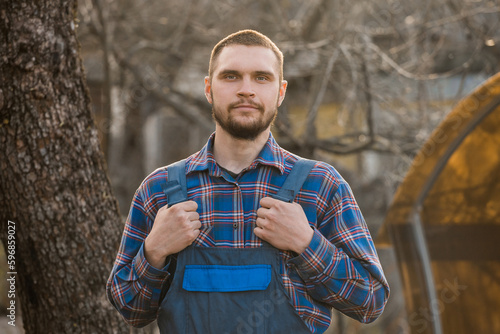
pixel 228 207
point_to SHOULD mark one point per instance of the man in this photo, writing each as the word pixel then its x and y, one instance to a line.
pixel 232 258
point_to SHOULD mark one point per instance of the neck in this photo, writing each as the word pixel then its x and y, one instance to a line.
pixel 237 154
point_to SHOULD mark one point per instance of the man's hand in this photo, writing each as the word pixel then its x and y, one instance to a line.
pixel 283 225
pixel 174 229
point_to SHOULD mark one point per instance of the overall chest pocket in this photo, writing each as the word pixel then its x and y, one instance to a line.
pixel 227 299
pixel 221 278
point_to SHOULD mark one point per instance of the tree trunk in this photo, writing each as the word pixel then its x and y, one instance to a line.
pixel 53 185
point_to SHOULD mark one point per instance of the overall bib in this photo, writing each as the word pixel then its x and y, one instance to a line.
pixel 229 290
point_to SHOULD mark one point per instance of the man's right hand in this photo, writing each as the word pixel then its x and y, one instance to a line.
pixel 174 229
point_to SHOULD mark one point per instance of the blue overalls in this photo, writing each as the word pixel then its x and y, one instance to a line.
pixel 229 290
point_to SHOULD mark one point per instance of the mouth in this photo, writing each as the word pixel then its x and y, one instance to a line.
pixel 246 107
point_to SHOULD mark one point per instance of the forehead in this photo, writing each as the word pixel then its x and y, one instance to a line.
pixel 247 59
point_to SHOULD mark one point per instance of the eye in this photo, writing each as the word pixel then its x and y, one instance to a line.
pixel 261 78
pixel 230 77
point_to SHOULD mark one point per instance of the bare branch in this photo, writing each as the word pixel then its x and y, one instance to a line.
pixel 181 104
pixel 432 76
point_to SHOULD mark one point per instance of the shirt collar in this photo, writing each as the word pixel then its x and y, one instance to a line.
pixel 270 155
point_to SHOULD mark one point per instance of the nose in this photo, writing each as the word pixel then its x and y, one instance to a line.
pixel 246 89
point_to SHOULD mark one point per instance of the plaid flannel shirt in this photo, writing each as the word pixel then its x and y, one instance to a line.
pixel 339 269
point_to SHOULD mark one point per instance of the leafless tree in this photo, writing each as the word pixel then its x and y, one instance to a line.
pixel 55 196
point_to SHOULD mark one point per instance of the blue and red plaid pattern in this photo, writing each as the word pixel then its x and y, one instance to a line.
pixel 339 269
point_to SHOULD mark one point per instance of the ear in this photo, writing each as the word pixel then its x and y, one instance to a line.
pixel 208 89
pixel 283 86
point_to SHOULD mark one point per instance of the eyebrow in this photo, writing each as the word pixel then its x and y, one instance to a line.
pixel 255 73
pixel 224 72
pixel 264 73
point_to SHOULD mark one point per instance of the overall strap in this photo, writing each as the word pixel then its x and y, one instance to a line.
pixel 176 191
pixel 295 180
pixel 175 188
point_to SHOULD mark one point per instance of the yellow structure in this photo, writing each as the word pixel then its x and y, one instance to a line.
pixel 444 222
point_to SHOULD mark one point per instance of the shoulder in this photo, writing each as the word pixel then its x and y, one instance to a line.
pixel 150 193
pixel 322 172
pixel 153 182
pixel 328 173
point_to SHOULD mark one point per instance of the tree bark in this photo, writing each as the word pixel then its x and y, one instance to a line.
pixel 53 182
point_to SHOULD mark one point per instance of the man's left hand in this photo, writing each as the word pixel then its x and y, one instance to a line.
pixel 284 225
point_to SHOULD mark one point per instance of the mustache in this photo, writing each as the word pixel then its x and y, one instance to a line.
pixel 246 102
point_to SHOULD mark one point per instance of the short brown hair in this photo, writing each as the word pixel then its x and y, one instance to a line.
pixel 249 38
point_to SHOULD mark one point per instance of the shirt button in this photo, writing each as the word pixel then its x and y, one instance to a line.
pixel 235 225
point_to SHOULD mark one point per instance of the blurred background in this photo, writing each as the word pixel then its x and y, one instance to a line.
pixel 368 83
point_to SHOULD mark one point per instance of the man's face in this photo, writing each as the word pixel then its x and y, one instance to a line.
pixel 245 90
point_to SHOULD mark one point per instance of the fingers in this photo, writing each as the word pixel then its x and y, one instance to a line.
pixel 186 210
pixel 265 215
pixel 261 212
pixel 192 216
pixel 260 223
pixel 188 206
pixel 268 202
pixel 196 224
pixel 196 233
pixel 259 233
pixel 192 219
pixel 269 210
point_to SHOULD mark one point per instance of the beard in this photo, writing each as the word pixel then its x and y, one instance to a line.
pixel 243 130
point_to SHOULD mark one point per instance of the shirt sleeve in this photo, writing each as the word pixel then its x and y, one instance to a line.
pixel 341 267
pixel 134 286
